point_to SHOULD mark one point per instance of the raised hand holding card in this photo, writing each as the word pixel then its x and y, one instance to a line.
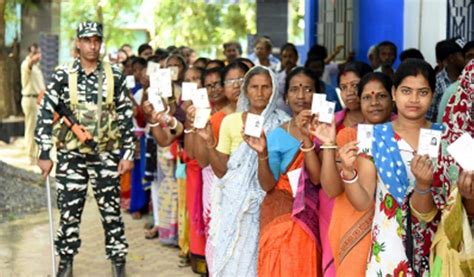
pixel 156 100
pixel 364 137
pixel 318 101
pixel 200 99
pixel 154 81
pixel 462 151
pixel 188 89
pixel 253 125
pixel 130 81
pixel 428 143
pixel 174 72
pixel 327 112
pixel 201 118
pixel 164 82
pixel 152 68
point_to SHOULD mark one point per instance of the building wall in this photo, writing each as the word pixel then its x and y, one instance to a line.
pixel 43 17
pixel 335 25
pixel 310 29
pixel 40 24
pixel 272 20
pixel 460 19
pixel 376 21
pixel 425 23
pixel 408 23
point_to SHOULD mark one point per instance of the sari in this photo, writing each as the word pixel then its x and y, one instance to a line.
pixel 349 230
pixel 194 207
pixel 167 198
pixel 183 218
pixel 208 177
pixel 125 186
pixel 400 241
pixel 452 252
pixel 326 205
pixel 235 218
pixel 282 238
pixel 139 198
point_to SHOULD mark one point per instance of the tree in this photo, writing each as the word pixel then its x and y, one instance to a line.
pixel 111 13
pixel 202 25
pixel 3 57
pixel 7 14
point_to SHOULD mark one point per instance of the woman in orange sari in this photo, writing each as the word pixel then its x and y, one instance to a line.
pixel 349 230
pixel 287 247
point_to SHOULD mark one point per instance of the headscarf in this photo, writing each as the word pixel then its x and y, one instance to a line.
pixel 240 196
pixel 458 119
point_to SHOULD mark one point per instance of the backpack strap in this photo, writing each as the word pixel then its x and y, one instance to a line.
pixel 109 76
pixel 73 87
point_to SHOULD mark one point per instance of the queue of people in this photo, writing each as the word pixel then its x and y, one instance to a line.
pixel 274 172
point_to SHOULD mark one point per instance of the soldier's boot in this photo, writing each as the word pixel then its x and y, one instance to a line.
pixel 118 267
pixel 65 267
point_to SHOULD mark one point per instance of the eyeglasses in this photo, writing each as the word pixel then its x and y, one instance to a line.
pixel 233 82
pixel 352 85
pixel 296 89
pixel 213 86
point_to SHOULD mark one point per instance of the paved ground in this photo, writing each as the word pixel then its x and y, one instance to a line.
pixel 24 243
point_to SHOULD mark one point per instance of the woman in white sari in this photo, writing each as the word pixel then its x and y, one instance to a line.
pixel 234 226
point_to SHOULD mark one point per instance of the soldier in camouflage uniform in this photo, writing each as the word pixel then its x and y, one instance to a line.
pixel 77 86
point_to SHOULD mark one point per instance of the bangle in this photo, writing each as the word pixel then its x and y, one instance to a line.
pixel 350 181
pixel 175 123
pixel 307 149
pixel 330 147
pixel 263 159
pixel 329 144
pixel 156 124
pixel 422 192
pixel 187 131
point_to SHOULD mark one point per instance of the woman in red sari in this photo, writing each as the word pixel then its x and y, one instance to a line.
pixel 231 81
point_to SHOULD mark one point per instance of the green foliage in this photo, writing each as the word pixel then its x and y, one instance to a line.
pixel 109 12
pixel 10 15
pixel 296 23
pixel 200 25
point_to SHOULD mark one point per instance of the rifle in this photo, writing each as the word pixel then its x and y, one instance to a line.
pixel 70 122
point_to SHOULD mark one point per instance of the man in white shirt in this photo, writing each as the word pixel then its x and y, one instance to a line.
pixel 32 84
pixel 387 52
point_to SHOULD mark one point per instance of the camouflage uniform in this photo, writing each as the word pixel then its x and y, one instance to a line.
pixel 75 169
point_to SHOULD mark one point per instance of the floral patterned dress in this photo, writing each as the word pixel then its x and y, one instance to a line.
pixel 395 184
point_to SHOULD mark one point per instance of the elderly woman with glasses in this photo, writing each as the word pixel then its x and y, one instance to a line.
pixel 228 83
